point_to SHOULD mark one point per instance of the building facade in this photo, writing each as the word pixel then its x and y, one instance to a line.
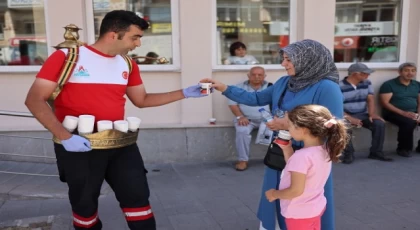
pixel 195 37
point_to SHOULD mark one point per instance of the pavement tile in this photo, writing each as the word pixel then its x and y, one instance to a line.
pixel 55 207
pixel 369 195
pixel 393 225
pixel 202 221
pixel 238 224
pixel 6 165
pixel 50 188
pixel 20 209
pixel 28 188
pixel 347 222
pixel 13 182
pixel 62 222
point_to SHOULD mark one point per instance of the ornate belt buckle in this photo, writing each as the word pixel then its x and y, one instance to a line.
pixel 109 139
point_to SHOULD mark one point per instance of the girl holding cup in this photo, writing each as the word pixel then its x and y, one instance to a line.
pixel 301 189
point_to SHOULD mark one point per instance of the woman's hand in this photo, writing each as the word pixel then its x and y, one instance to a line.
pixel 219 86
pixel 271 195
pixel 277 124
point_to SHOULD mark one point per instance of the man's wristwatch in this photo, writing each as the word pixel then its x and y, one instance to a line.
pixel 239 117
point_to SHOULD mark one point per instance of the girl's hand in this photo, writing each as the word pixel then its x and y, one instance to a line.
pixel 286 148
pixel 270 195
pixel 219 86
pixel 277 124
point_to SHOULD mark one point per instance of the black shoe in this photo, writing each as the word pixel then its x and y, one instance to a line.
pixel 380 157
pixel 418 149
pixel 347 159
pixel 403 153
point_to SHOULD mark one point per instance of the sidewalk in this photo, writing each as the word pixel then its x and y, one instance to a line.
pixel 369 195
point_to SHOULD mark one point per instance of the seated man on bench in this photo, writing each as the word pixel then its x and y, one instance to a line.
pixel 400 101
pixel 247 117
pixel 359 111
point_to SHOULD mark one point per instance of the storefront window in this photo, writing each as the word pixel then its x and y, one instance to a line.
pixel 22 32
pixel 367 31
pixel 157 40
pixel 251 32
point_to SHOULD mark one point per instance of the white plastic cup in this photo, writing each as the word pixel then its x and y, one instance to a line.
pixel 212 121
pixel 70 123
pixel 86 124
pixel 133 123
pixel 283 137
pixel 121 125
pixel 205 88
pixel 104 125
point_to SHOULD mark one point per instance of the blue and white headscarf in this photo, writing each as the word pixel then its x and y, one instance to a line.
pixel 312 61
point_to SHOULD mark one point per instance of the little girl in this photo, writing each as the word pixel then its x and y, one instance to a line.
pixel 301 190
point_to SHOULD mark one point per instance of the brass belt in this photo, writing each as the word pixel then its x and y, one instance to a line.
pixel 108 139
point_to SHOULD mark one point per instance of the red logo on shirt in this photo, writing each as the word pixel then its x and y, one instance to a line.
pixel 125 75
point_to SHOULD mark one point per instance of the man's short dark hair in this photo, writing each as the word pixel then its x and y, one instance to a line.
pixel 235 46
pixel 119 21
pixel 406 64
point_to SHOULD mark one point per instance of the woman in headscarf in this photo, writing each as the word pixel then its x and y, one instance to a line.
pixel 312 79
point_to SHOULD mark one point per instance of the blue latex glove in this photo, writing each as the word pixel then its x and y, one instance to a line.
pixel 76 143
pixel 194 91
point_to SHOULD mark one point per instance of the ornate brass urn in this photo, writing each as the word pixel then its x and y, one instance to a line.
pixel 71 37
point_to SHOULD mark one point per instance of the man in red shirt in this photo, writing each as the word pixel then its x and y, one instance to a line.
pixel 97 87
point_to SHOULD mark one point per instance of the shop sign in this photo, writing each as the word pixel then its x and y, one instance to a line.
pixel 383 41
pixel 366 29
pixel 279 28
pixel 230 24
pixel 16 41
pixel 161 28
pixel 244 30
pixel 101 5
pixel 348 42
pixel 374 49
pixel 227 27
pixel 24 3
pixel 388 43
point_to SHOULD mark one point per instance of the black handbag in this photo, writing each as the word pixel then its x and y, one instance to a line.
pixel 274 158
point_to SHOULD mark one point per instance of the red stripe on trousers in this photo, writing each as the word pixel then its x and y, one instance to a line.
pixel 84 218
pixel 137 218
pixel 142 209
pixel 85 226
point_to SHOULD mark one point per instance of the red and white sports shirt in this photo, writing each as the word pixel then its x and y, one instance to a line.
pixel 97 85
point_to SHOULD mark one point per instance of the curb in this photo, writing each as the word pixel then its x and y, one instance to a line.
pixel 11 196
pixel 38 223
pixel 62 222
pixel 58 222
